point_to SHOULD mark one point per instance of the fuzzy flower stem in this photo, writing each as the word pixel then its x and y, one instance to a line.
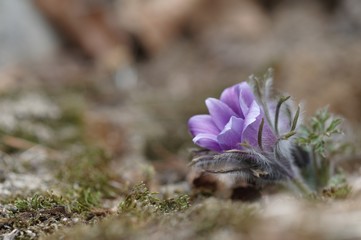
pixel 297 181
pixel 315 168
pixel 301 186
pixel 279 104
pixel 267 80
pixel 295 119
pixel 287 135
pixel 258 90
pixel 266 112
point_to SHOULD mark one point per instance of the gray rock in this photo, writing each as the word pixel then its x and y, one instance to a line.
pixel 24 34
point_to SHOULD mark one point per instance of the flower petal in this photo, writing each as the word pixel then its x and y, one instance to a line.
pixel 246 97
pixel 231 136
pixel 219 112
pixel 230 96
pixel 208 141
pixel 251 124
pixel 202 124
pixel 252 114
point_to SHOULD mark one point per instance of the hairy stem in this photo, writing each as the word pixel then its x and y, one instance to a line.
pixel 301 186
pixel 279 104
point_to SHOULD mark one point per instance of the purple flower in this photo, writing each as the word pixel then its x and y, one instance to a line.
pixel 233 119
pixel 251 119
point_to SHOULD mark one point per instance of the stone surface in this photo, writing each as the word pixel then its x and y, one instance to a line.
pixel 24 35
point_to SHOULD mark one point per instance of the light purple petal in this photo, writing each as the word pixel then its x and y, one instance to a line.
pixel 246 97
pixel 251 124
pixel 219 112
pixel 250 135
pixel 252 114
pixel 202 124
pixel 231 136
pixel 208 141
pixel 230 96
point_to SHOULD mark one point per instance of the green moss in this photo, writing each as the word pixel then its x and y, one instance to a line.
pixel 39 201
pixel 143 203
pixel 57 131
pixel 34 215
pixel 201 221
pixel 74 201
pixel 88 169
pixel 83 200
pixel 45 212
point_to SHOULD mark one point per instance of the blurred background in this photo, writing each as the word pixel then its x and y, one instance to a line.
pixel 143 67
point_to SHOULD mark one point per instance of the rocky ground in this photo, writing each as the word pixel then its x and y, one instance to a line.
pixel 84 146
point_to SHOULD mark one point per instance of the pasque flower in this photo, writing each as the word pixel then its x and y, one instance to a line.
pixel 249 134
pixel 233 120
